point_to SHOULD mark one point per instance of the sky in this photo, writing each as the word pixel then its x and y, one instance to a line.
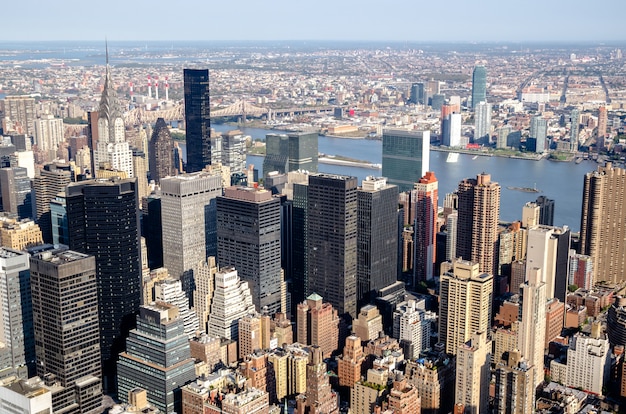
pixel 368 20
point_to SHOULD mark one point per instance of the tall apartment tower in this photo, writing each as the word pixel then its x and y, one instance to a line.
pixel 16 192
pixel 406 157
pixel 21 110
pixel 546 210
pixel 189 222
pixel 103 221
pixel 292 152
pixel 204 278
pixel 17 355
pixel 479 85
pixel 112 147
pixel 377 237
pixel 50 181
pixel 482 122
pixel 65 314
pixel 248 238
pixel 602 122
pixel 588 362
pixel 417 93
pixel 161 153
pixel 317 324
pixel 538 133
pixel 319 397
pixel 472 374
pixel 532 333
pixel 171 291
pixel 157 358
pixel 426 196
pixel 479 211
pixel 574 130
pixel 49 134
pixel 602 237
pixel 197 119
pixel 332 240
pixel 515 390
pixel 451 130
pixel 465 304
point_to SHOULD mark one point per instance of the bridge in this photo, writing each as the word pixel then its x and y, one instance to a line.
pixel 240 108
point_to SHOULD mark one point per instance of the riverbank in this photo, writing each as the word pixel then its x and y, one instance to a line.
pixel 535 157
pixel 335 161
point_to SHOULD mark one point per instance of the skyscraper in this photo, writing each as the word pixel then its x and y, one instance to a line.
pixel 65 313
pixel 317 324
pixel 112 147
pixel 546 210
pixel 47 184
pixel 16 192
pixel 291 152
pixel 515 390
pixel 17 355
pixel 377 243
pixel 425 227
pixel 21 111
pixel 602 235
pixel 465 304
pixel 479 85
pixel 472 374
pixel 157 358
pixel 482 122
pixel 479 211
pixel 532 333
pixel 406 157
pixel 103 219
pixel 161 154
pixel 451 130
pixel 248 238
pixel 417 93
pixel 319 397
pixel 189 221
pixel 332 242
pixel 574 130
pixel 538 131
pixel 602 122
pixel 49 134
pixel 197 121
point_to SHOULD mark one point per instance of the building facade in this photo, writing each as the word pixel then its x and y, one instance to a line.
pixel 197 119
pixel 406 157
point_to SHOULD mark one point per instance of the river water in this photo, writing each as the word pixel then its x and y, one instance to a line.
pixel 561 181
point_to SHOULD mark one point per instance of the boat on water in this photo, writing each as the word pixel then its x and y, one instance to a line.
pixel 474 157
pixel 452 157
pixel 525 189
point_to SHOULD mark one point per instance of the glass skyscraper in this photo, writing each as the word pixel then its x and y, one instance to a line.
pixel 479 85
pixel 406 157
pixel 197 121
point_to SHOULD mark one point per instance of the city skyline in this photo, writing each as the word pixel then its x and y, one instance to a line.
pixel 340 21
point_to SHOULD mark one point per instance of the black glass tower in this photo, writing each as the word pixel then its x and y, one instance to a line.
pixel 103 219
pixel 197 121
pixel 479 85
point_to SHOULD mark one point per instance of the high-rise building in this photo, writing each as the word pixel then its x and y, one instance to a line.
pixel 465 304
pixel 231 301
pixel 349 365
pixel 161 152
pixel 18 235
pixel 548 249
pixel 472 374
pixel 531 339
pixel 157 358
pixel 602 122
pixel 189 222
pixel 546 210
pixel 299 182
pixel 368 393
pixel 48 134
pixel 317 324
pixel 601 236
pixel 25 396
pixel 332 240
pixel 291 152
pixel 538 132
pixel 574 130
pixel 319 397
pixel 234 151
pixel 403 398
pixel 580 271
pixel 417 94
pixel 248 238
pixel 451 130
pixel 406 157
pixel 479 85
pixel 479 212
pixel 204 276
pixel 515 390
pixel 369 324
pixel 197 119
pixel 171 291
pixel 141 173
pixel 426 196
pixel 112 148
pixel 434 377
pixel 482 122
pixel 103 219
pixel 16 192
pixel 21 112
pixel 412 327
pixel 50 181
pixel 588 362
pixel 65 315
pixel 377 237
pixel 17 353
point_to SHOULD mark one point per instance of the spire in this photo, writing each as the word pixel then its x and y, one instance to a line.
pixel 106 48
pixel 109 103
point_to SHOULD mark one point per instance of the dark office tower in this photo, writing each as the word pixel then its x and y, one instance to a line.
pixel 16 194
pixel 562 238
pixel 46 185
pixel 157 358
pixel 152 231
pixel 161 152
pixel 417 93
pixel 479 85
pixel 248 238
pixel 197 121
pixel 299 251
pixel 406 157
pixel 65 314
pixel 17 355
pixel 332 240
pixel 103 218
pixel 92 136
pixel 602 229
pixel 377 238
pixel 546 210
pixel 477 230
pixel 292 152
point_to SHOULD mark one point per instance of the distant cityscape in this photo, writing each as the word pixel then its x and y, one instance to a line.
pixel 147 265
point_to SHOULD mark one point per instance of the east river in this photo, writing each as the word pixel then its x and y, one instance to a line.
pixel 561 181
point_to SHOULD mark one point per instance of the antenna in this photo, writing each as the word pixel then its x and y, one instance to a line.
pixel 106 48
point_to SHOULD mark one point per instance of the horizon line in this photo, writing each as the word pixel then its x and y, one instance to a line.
pixel 542 41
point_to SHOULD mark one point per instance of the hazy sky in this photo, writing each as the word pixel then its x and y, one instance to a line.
pixel 403 20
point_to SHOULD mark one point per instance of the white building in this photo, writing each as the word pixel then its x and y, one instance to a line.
pixel 48 133
pixel 231 301
pixel 171 291
pixel 588 362
pixel 412 324
pixel 531 339
pixel 25 396
pixel 482 122
pixel 472 374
